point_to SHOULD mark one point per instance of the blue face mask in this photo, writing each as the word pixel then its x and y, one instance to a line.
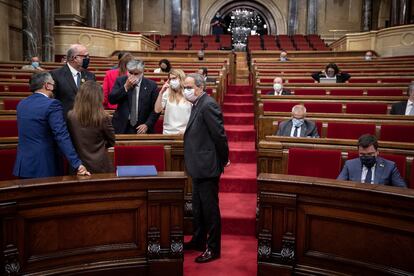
pixel 297 122
pixel 35 64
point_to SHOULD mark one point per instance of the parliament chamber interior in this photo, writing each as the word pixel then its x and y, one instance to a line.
pixel 284 208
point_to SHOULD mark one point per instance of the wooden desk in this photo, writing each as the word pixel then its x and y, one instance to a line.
pixel 314 226
pixel 93 225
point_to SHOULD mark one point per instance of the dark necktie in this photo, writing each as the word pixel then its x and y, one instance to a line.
pixel 369 176
pixel 134 109
pixel 78 77
pixel 295 133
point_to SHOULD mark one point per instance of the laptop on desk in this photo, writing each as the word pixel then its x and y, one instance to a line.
pixel 327 80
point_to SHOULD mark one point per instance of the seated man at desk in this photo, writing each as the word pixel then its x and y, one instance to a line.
pixel 369 167
pixel 298 126
pixel 331 72
pixel 278 88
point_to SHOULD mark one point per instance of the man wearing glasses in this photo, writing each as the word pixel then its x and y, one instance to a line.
pixel 70 76
pixel 135 97
pixel 43 134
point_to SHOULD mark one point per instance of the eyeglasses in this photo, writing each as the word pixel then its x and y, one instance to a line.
pixel 135 74
pixel 84 56
pixel 188 87
pixel 51 84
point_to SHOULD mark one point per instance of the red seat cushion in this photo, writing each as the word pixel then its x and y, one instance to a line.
pixel 324 107
pixel 10 104
pixel 346 92
pixel 7 159
pixel 310 92
pixel 384 92
pixel 278 106
pixel 366 108
pixel 140 155
pixel 397 133
pixel 8 128
pixel 348 131
pixel 159 125
pixel 318 163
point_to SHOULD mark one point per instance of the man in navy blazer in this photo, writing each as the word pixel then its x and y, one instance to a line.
pixel 135 97
pixel 369 168
pixel 206 153
pixel 70 76
pixel 405 107
pixel 42 133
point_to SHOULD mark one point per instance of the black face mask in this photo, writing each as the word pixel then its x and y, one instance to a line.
pixel 368 161
pixel 200 58
pixel 85 63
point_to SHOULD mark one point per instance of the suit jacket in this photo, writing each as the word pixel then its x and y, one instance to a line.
pixel 108 83
pixel 340 77
pixel 386 173
pixel 65 86
pixel 42 132
pixel 284 92
pixel 307 129
pixel 147 96
pixel 91 143
pixel 206 150
pixel 399 108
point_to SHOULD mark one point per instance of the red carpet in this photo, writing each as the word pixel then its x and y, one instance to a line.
pixel 237 197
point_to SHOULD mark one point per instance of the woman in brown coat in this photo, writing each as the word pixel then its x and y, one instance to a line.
pixel 91 128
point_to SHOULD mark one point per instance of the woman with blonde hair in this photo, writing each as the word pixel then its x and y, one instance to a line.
pixel 110 78
pixel 90 128
pixel 171 99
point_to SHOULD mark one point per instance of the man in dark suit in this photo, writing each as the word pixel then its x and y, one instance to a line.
pixel 278 88
pixel 135 97
pixel 298 126
pixel 42 133
pixel 204 72
pixel 206 154
pixel 405 107
pixel 369 168
pixel 70 76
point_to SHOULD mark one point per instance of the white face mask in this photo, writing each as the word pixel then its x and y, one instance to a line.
pixel 368 57
pixel 277 87
pixel 189 95
pixel 175 84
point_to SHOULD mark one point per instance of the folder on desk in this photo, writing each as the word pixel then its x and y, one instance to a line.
pixel 149 170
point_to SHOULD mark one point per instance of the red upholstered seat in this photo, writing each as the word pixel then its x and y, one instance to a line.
pixel 8 128
pixel 307 80
pixel 310 92
pixel 318 163
pixel 364 80
pixel 396 80
pixel 10 104
pixel 397 133
pixel 411 184
pixel 385 92
pixel 24 87
pixel 324 107
pixel 140 155
pixel 159 125
pixel 366 108
pixel 348 131
pixel 278 106
pixel 346 92
pixel 7 159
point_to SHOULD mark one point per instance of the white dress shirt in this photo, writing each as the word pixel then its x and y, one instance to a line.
pixel 292 131
pixel 364 174
pixel 410 105
pixel 74 74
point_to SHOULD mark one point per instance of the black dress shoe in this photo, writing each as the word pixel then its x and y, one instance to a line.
pixel 207 256
pixel 193 246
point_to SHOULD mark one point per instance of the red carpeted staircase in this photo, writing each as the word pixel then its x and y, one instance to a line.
pixel 237 193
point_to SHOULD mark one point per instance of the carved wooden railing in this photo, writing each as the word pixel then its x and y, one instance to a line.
pixel 93 225
pixel 314 226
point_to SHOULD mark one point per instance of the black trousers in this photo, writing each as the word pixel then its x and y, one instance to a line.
pixel 206 212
